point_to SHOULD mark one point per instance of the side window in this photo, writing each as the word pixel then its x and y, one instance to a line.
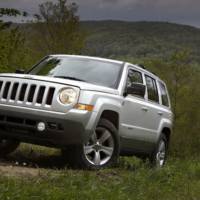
pixel 152 89
pixel 134 77
pixel 164 96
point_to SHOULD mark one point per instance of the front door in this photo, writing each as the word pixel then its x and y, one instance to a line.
pixel 139 117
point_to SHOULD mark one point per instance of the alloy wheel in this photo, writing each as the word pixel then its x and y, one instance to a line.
pixel 161 154
pixel 100 146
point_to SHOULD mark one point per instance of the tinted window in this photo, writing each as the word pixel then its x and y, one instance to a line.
pixel 134 77
pixel 89 70
pixel 152 89
pixel 164 96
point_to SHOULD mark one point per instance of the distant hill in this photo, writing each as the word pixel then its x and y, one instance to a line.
pixel 140 39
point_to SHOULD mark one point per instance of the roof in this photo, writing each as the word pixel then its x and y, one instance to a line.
pixel 109 60
pixel 90 57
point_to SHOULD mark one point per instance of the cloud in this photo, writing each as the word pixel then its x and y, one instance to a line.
pixel 110 1
pixel 181 11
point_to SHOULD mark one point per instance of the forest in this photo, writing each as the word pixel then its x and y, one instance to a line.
pixel 172 51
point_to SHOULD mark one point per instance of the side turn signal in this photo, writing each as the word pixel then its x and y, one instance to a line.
pixel 84 107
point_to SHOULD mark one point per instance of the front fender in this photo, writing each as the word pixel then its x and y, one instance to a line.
pixel 101 105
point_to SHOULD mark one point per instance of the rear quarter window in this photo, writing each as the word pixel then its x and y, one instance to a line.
pixel 152 89
pixel 164 95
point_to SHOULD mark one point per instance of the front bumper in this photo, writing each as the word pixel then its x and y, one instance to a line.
pixel 61 129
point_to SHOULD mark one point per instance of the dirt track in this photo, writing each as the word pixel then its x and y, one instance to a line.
pixel 9 170
pixel 27 163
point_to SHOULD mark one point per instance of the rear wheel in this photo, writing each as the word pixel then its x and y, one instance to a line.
pixel 7 146
pixel 100 150
pixel 159 156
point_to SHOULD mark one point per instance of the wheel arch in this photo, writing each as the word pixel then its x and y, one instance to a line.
pixel 112 116
pixel 167 132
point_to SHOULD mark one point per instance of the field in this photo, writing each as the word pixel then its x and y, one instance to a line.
pixel 38 173
pixel 169 50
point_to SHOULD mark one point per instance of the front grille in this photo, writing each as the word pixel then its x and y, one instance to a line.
pixel 17 120
pixel 13 91
pixel 6 121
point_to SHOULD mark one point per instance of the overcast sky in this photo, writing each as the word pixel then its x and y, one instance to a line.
pixel 179 11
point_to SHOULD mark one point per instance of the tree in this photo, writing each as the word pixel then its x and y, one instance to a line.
pixel 11 42
pixel 57 28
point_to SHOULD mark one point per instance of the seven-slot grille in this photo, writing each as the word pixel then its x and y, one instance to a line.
pixel 14 91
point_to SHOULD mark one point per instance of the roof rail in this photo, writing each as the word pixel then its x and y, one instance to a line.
pixel 143 67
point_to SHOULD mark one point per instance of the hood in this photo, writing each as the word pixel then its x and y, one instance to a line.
pixel 80 84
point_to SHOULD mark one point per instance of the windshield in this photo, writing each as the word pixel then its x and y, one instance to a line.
pixel 80 69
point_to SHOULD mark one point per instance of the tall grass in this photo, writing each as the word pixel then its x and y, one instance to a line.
pixel 132 179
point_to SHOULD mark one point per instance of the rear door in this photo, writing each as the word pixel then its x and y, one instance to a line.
pixel 153 114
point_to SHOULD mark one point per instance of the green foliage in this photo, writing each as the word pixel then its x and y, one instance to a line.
pixel 179 180
pixel 117 39
pixel 56 29
pixel 12 48
pixel 132 179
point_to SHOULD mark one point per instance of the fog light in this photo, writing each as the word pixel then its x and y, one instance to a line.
pixel 41 126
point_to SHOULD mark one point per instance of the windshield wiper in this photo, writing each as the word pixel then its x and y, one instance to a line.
pixel 70 78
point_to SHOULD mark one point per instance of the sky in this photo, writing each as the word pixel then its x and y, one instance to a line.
pixel 178 11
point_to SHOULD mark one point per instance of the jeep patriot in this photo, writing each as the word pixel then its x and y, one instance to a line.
pixel 93 109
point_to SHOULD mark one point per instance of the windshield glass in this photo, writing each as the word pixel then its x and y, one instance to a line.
pixel 80 69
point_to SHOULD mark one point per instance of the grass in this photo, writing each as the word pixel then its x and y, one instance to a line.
pixel 133 179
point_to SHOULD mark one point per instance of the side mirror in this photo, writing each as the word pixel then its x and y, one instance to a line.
pixel 137 89
pixel 19 71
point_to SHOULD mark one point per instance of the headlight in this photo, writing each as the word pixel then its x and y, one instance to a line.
pixel 68 96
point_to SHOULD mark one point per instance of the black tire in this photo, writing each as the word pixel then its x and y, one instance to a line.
pixel 76 157
pixel 8 146
pixel 159 156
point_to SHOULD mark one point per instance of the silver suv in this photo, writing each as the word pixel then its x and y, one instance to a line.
pixel 93 109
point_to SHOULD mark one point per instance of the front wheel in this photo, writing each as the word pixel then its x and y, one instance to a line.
pixel 99 151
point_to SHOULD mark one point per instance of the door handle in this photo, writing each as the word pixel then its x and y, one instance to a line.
pixel 145 109
pixel 160 113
